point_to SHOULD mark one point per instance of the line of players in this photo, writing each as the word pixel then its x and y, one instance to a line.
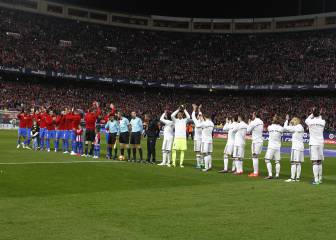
pixel 237 130
pixel 46 127
pixel 66 127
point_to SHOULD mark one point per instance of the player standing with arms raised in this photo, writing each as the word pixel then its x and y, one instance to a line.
pixel 180 138
pixel 198 134
pixel 297 154
pixel 90 123
pixel 230 124
pixel 316 126
pixel 168 138
pixel 256 127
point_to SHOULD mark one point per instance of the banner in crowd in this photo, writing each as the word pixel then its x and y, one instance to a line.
pixel 278 87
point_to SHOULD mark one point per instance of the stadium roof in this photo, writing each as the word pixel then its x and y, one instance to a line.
pixel 212 8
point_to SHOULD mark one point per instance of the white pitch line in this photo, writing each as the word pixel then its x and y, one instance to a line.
pixel 89 161
pixel 68 162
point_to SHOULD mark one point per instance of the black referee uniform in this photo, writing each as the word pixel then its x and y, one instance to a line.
pixel 152 133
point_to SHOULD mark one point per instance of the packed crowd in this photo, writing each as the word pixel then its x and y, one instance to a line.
pixel 16 95
pixel 47 43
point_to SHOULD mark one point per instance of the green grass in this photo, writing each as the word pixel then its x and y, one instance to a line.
pixel 131 201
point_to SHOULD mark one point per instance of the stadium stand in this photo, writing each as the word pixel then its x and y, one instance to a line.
pixel 38 42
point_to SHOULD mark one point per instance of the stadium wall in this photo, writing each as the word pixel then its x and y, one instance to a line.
pixel 178 24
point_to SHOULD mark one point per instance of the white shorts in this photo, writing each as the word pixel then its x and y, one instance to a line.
pixel 206 147
pixel 272 154
pixel 297 156
pixel 167 144
pixel 256 148
pixel 228 150
pixel 197 145
pixel 316 153
pixel 238 152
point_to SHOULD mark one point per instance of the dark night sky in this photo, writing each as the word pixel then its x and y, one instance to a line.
pixel 211 8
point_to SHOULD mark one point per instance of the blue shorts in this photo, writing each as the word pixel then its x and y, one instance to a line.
pixel 29 133
pixel 43 132
pixel 59 134
pixel 50 134
pixel 22 132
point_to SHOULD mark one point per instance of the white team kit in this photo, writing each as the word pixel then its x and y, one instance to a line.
pixel 240 130
pixel 316 140
pixel 197 133
pixel 207 127
pixel 168 133
pixel 316 143
pixel 256 128
pixel 274 142
pixel 297 153
pixel 228 127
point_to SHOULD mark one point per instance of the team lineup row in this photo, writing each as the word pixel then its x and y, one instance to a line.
pixel 44 126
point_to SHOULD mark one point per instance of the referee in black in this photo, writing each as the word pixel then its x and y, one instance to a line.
pixel 152 129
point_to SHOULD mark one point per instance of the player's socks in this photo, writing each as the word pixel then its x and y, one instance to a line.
pixel 73 146
pixel 110 152
pixel 269 168
pixel 140 153
pixel 42 143
pixel 164 157
pixel 134 153
pixel 181 158
pixel 316 172
pixel 122 151
pixel 206 162
pixel 174 157
pixel 115 152
pixel 56 145
pixel 320 172
pixel 86 149
pixel 240 166
pixel 91 149
pixel 293 170
pixel 210 161
pixel 226 163
pixel 48 143
pixel 298 170
pixel 168 158
pixel 129 153
pixel 255 165
pixel 277 169
pixel 198 160
pixel 97 151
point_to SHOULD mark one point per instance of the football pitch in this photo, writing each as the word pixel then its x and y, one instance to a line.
pixel 56 196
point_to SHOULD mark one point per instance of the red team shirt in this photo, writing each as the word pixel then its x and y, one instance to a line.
pixel 91 119
pixel 60 122
pixel 75 121
pixel 41 120
pixel 23 120
pixel 50 124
